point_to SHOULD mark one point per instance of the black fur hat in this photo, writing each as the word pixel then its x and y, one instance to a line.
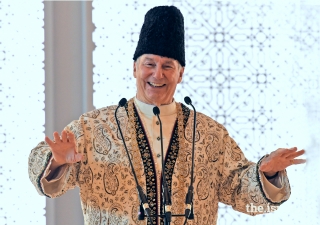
pixel 162 33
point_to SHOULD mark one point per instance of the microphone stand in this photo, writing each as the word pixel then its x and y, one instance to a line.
pixel 166 196
pixel 189 198
pixel 144 206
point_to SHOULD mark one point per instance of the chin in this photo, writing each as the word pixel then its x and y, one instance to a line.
pixel 155 100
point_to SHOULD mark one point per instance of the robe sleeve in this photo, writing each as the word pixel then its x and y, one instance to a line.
pixel 66 176
pixel 243 186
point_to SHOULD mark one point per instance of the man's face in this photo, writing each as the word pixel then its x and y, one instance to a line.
pixel 157 78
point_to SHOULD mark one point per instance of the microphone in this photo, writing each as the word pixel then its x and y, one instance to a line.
pixel 156 111
pixel 187 100
pixel 189 197
pixel 142 197
pixel 122 102
pixel 166 197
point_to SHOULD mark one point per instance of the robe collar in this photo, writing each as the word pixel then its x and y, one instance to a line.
pixel 147 109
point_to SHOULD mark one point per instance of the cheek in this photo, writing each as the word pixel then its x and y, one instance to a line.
pixel 142 74
pixel 141 81
pixel 176 80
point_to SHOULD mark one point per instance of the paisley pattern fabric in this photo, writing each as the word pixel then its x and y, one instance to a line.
pixel 107 186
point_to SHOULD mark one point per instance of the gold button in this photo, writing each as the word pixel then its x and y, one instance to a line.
pixel 158 138
pixel 157 123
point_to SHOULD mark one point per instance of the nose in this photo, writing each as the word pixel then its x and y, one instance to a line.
pixel 158 73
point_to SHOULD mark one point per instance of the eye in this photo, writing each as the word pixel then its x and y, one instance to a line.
pixel 149 64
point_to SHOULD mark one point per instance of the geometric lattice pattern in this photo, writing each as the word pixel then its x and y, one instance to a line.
pixel 21 108
pixel 253 67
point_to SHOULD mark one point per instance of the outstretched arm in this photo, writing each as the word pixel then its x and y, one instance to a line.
pixel 54 164
pixel 243 183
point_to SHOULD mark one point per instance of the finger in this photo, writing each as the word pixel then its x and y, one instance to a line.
pixel 49 142
pixel 298 161
pixel 56 137
pixel 64 136
pixel 279 151
pixel 295 154
pixel 72 140
pixel 288 151
pixel 71 137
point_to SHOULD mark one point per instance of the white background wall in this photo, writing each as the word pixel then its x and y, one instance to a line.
pixel 21 108
pixel 253 66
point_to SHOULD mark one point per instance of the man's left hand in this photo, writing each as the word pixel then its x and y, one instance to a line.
pixel 280 160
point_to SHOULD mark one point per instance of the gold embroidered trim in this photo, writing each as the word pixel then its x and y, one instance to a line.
pixel 137 153
pixel 136 157
pixel 182 167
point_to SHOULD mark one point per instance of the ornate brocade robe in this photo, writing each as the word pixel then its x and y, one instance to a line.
pixel 107 188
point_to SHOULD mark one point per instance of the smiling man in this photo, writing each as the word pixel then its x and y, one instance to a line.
pixel 90 153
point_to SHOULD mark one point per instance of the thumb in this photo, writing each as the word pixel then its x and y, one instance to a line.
pixel 78 157
pixel 263 165
pixel 73 158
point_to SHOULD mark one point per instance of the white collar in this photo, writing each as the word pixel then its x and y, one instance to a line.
pixel 147 109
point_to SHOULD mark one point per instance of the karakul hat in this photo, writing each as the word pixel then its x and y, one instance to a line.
pixel 162 33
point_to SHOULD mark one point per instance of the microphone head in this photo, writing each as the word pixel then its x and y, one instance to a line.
pixel 122 102
pixel 187 100
pixel 156 110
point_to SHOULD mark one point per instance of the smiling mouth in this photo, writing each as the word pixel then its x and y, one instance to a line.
pixel 156 85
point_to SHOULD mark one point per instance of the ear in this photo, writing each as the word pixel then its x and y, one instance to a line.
pixel 180 74
pixel 134 69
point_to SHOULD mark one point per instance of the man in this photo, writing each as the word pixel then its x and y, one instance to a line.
pixel 90 153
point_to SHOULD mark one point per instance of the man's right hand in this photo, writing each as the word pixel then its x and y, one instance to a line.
pixel 64 149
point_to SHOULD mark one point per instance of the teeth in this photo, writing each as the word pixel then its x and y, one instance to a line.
pixel 156 85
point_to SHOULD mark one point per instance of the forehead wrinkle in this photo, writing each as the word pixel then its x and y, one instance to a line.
pixel 169 61
pixel 148 58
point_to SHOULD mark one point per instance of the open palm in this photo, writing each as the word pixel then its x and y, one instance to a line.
pixel 281 159
pixel 64 148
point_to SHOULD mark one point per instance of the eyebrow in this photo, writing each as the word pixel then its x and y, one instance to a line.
pixel 167 61
pixel 147 58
